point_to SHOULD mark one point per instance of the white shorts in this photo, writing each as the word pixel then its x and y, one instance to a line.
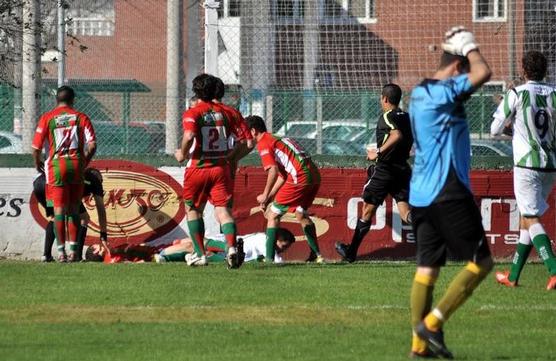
pixel 531 189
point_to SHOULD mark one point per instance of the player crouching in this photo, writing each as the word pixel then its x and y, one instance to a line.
pixel 292 184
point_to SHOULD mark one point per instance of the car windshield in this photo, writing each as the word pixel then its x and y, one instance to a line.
pixel 300 130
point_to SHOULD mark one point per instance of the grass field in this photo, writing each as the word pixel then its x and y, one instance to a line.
pixel 260 312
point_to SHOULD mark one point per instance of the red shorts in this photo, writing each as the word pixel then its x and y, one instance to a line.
pixel 202 184
pixel 294 197
pixel 64 196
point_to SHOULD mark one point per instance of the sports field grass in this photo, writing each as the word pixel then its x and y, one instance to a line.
pixel 260 312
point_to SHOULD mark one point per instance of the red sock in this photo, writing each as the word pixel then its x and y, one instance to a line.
pixel 60 228
pixel 229 230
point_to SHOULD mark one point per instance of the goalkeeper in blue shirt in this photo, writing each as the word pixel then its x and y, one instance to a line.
pixel 445 216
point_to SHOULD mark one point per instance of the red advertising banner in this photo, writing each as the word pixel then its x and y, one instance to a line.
pixel 144 203
pixel 338 206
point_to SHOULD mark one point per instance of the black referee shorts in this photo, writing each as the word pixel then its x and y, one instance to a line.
pixel 453 227
pixel 384 179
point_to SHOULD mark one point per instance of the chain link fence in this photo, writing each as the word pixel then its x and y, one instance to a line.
pixel 313 69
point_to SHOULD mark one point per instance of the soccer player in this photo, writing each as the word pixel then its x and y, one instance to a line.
pixel 237 121
pixel 292 184
pixel 254 246
pixel 529 109
pixel 69 141
pixel 93 187
pixel 207 130
pixel 253 249
pixel 391 174
pixel 444 214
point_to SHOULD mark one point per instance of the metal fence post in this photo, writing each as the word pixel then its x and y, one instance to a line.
pixel 173 71
pixel 31 75
pixel 269 119
pixel 319 124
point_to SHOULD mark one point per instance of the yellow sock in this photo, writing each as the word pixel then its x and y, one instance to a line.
pixel 434 320
pixel 418 345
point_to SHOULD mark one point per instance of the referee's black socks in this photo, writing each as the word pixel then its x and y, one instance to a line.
pixel 49 238
pixel 360 232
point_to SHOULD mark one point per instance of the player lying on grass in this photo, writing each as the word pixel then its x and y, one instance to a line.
pixel 444 214
pixel 391 173
pixel 251 246
pixel 292 184
pixel 68 139
pixel 93 188
pixel 207 129
pixel 529 109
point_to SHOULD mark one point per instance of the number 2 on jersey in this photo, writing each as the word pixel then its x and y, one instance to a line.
pixel 214 139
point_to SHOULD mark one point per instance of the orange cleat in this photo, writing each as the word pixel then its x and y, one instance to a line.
pixel 551 285
pixel 503 279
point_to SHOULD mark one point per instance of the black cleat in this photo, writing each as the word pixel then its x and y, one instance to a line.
pixel 343 250
pixel 435 341
pixel 312 257
pixel 240 252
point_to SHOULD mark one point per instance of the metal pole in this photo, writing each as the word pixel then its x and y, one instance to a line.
pixel 319 125
pixel 511 39
pixel 269 119
pixel 211 37
pixel 61 43
pixel 173 64
pixel 31 74
pixel 18 45
pixel 194 54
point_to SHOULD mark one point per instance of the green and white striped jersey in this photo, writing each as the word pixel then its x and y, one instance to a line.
pixel 531 110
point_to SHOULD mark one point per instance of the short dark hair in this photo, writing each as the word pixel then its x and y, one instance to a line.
pixel 220 89
pixel 91 256
pixel 65 94
pixel 204 87
pixel 256 122
pixel 285 235
pixel 392 93
pixel 534 65
pixel 448 58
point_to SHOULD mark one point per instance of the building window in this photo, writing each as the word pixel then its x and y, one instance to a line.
pixel 363 10
pixel 229 8
pixel 489 10
pixel 288 9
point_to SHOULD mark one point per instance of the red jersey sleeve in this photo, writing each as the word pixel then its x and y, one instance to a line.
pixel 88 130
pixel 189 121
pixel 266 151
pixel 40 133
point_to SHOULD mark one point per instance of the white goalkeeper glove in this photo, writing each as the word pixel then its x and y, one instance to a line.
pixel 459 41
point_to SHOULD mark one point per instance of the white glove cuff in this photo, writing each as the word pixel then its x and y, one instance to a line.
pixel 468 47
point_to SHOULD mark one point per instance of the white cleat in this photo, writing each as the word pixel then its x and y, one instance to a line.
pixel 193 260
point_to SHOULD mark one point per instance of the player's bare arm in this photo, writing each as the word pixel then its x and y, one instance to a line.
pixel 272 177
pixel 394 137
pixel 479 72
pixel 90 151
pixel 186 143
pixel 37 158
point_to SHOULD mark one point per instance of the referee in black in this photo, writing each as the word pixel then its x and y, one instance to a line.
pixel 93 187
pixel 391 173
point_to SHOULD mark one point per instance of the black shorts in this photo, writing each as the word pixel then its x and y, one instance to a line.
pixel 384 179
pixel 39 189
pixel 453 227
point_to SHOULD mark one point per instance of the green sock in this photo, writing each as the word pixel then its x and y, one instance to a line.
pixel 311 234
pixel 520 258
pixel 173 257
pixel 544 249
pixel 270 240
pixel 197 234
pixel 229 230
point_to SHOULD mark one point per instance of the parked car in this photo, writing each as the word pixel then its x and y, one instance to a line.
pixel 329 146
pixel 491 148
pixel 332 129
pixel 11 143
